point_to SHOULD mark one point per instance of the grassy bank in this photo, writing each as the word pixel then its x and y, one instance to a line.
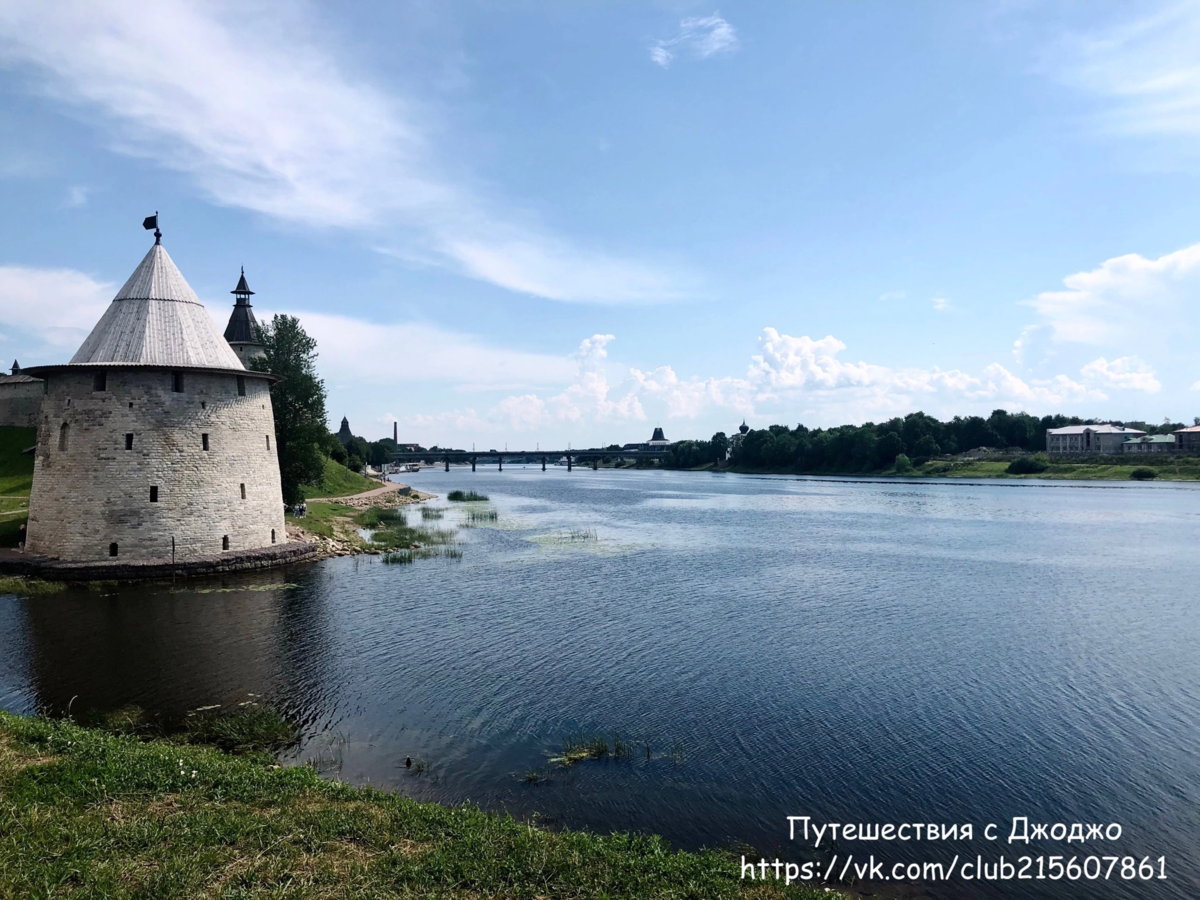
pixel 338 481
pixel 16 481
pixel 89 814
pixel 1098 468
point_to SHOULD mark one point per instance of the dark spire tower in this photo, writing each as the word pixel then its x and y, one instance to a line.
pixel 242 330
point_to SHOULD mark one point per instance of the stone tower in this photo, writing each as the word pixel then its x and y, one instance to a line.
pixel 240 332
pixel 154 441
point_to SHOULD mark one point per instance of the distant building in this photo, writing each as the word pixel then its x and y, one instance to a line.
pixel 20 399
pixel 1088 439
pixel 241 332
pixel 344 434
pixel 658 441
pixel 1150 443
pixel 737 439
pixel 1187 440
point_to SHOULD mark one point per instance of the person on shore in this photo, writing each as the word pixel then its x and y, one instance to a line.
pixel 21 538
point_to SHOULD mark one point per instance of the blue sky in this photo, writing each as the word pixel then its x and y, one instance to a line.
pixel 537 222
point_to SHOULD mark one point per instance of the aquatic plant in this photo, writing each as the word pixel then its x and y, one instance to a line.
pixel 246 728
pixel 480 516
pixel 580 534
pixel 465 497
pixel 540 775
pixel 431 512
pixel 577 749
pixel 29 587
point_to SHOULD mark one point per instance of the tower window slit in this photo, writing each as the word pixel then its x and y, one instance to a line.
pixel 177 382
pixel 272 535
pixel 64 436
pixel 154 493
pixel 268 442
pixel 243 487
pixel 241 382
pixel 204 441
pixel 100 380
pixel 112 549
pixel 129 441
pixel 225 542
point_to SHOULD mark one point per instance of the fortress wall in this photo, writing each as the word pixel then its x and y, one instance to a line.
pixel 96 492
pixel 20 404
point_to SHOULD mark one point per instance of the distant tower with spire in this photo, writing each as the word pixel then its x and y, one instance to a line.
pixel 242 330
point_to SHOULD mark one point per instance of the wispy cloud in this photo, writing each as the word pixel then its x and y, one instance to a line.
pixel 76 196
pixel 700 37
pixel 941 304
pixel 286 130
pixel 1146 69
pixel 52 307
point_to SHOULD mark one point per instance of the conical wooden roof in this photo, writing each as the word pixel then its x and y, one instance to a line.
pixel 156 319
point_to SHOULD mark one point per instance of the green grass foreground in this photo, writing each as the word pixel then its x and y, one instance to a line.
pixel 89 814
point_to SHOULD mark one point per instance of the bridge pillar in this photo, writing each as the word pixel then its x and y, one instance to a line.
pixel 568 462
pixel 543 464
pixel 595 463
pixel 500 463
pixel 447 464
pixel 472 464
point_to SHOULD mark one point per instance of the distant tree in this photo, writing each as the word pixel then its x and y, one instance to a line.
pixel 903 464
pixel 926 447
pixel 719 447
pixel 298 401
pixel 888 448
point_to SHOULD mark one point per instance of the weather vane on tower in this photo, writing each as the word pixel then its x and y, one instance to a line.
pixel 152 222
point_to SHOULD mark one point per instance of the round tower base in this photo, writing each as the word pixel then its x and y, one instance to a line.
pixel 13 562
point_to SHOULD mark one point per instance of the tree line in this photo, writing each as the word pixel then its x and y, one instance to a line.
pixel 876 446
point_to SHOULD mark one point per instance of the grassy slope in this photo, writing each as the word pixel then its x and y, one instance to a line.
pixel 93 815
pixel 16 479
pixel 339 482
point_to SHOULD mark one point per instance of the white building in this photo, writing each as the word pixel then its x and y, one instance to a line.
pixel 154 443
pixel 1088 439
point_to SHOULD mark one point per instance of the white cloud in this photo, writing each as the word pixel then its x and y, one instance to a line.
pixel 1147 69
pixel 57 307
pixel 356 350
pixel 1127 373
pixel 791 376
pixel 261 116
pixel 76 196
pixel 1125 297
pixel 893 295
pixel 701 36
pixel 940 303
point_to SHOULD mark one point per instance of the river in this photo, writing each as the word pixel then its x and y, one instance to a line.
pixel 852 651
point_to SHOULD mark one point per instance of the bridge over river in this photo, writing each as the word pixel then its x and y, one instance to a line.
pixel 573 457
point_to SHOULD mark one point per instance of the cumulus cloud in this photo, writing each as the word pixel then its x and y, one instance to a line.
pixel 1126 373
pixel 1125 297
pixel 261 115
pixel 797 373
pixel 701 37
pixel 55 307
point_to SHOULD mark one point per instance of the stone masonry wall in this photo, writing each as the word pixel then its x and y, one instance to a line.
pixel 20 404
pixel 96 492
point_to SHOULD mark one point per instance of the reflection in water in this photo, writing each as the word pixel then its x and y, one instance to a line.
pixel 170 649
pixel 866 652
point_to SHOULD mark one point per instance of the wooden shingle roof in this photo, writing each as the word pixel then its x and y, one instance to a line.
pixel 156 319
